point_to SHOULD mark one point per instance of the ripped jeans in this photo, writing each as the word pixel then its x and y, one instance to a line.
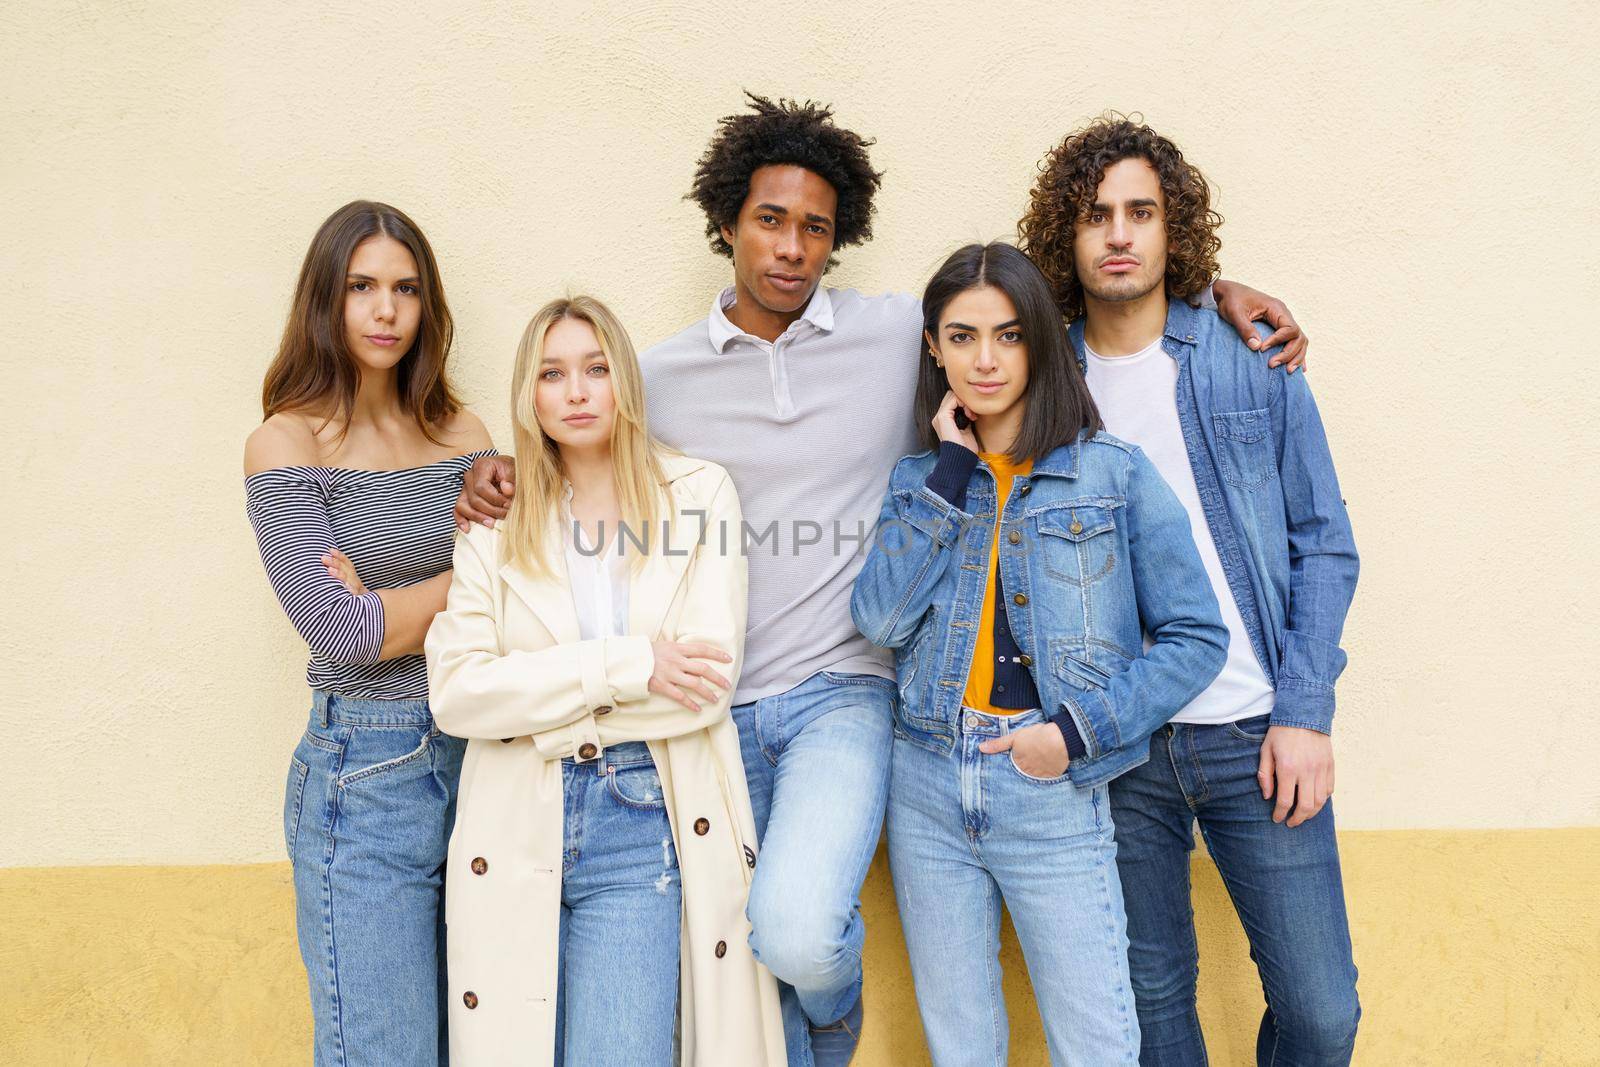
pixel 620 898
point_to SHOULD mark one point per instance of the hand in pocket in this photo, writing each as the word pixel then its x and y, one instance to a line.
pixel 1038 751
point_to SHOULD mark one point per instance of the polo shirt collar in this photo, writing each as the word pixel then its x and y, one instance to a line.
pixel 818 312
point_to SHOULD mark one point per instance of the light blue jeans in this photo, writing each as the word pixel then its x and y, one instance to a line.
pixel 617 1000
pixel 968 831
pixel 366 819
pixel 817 761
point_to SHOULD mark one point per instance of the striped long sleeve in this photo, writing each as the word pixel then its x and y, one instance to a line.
pixel 288 508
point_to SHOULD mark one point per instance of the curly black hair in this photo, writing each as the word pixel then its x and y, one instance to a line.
pixel 785 131
pixel 1068 179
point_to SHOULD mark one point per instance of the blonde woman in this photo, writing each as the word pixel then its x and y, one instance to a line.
pixel 604 843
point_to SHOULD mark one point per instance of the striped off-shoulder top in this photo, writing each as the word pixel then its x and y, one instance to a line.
pixel 397 527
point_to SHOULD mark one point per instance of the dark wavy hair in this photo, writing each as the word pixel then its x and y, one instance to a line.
pixel 1068 178
pixel 1059 404
pixel 780 132
pixel 314 370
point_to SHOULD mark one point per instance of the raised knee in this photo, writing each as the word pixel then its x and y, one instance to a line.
pixel 808 952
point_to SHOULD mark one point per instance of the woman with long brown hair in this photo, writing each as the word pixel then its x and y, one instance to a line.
pixel 350 482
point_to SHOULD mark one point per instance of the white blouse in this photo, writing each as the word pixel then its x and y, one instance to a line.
pixel 599 580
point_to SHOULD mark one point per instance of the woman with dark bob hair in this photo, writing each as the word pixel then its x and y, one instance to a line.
pixel 1015 572
pixel 350 482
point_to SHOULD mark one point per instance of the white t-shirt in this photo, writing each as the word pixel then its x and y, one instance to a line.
pixel 1137 398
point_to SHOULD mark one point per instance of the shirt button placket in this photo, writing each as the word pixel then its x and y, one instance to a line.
pixel 780 381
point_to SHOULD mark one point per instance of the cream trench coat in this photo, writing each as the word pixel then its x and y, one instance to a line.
pixel 507 670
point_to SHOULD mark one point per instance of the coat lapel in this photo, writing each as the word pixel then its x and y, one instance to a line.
pixel 549 598
pixel 654 585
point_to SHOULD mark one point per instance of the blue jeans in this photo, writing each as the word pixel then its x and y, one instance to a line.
pixel 968 831
pixel 617 1000
pixel 366 819
pixel 1285 885
pixel 817 761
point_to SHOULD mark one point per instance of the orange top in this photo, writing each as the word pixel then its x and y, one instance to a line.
pixel 980 675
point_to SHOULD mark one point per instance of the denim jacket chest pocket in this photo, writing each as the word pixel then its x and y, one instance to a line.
pixel 1245 450
pixel 1075 541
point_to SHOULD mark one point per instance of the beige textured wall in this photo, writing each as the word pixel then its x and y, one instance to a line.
pixel 1417 181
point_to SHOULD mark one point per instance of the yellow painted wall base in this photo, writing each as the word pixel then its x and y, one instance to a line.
pixel 1473 947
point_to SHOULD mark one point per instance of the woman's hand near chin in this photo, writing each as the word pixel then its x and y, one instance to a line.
pixel 944 423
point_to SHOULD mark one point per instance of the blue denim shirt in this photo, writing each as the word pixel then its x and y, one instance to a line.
pixel 1095 551
pixel 1271 499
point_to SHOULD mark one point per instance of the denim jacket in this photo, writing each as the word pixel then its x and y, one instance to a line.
pixel 1095 551
pixel 1271 499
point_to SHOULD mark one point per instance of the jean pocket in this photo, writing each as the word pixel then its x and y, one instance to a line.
pixel 334 746
pixel 1026 777
pixel 293 801
pixel 1244 447
pixel 385 754
pixel 1252 730
pixel 636 785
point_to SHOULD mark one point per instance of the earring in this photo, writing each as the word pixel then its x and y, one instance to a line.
pixel 939 363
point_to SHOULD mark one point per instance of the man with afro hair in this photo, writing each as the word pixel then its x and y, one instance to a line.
pixel 805 394
pixel 782 373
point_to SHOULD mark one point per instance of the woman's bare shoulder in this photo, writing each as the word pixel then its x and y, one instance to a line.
pixel 465 432
pixel 287 439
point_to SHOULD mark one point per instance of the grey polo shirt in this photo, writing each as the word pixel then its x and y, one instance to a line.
pixel 809 427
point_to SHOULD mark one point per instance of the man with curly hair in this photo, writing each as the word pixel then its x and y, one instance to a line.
pixel 1122 226
pixel 804 393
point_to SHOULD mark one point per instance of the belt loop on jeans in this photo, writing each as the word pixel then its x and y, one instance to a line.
pixel 319 705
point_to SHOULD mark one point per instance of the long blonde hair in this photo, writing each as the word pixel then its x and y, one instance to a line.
pixel 635 457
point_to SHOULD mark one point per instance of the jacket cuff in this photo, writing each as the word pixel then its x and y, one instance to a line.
pixel 951 474
pixel 1306 675
pixel 1310 661
pixel 1308 707
pixel 1069 733
pixel 935 516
